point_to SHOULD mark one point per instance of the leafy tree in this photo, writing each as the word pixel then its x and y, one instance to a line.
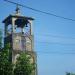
pixel 0 39
pixel 68 73
pixel 24 65
pixel 6 66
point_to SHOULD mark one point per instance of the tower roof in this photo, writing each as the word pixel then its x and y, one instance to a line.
pixel 20 21
pixel 9 18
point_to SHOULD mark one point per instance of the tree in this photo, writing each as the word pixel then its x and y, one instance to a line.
pixel 6 66
pixel 24 65
pixel 0 39
pixel 68 73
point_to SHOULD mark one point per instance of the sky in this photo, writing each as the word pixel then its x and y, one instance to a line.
pixel 54 38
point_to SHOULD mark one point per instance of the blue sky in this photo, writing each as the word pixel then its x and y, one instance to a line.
pixel 54 37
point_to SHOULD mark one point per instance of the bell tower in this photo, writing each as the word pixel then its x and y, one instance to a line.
pixel 19 34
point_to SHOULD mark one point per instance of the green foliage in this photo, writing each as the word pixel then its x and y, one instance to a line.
pixel 0 39
pixel 6 66
pixel 68 73
pixel 24 65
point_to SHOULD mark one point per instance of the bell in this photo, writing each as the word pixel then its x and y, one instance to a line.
pixel 26 25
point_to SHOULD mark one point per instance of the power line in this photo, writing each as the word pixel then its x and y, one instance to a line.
pixel 57 36
pixel 39 10
pixel 42 52
pixel 60 53
pixel 55 43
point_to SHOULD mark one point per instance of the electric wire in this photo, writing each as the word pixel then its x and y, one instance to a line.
pixel 59 53
pixel 56 36
pixel 39 10
pixel 42 52
pixel 55 43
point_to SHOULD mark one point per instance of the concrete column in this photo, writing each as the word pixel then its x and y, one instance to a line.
pixel 31 35
pixel 31 27
pixel 13 25
pixel 22 30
